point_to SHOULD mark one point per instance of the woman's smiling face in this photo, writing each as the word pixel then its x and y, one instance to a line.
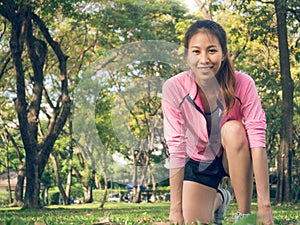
pixel 204 55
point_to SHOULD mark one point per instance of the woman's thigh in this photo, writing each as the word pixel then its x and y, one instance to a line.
pixel 234 139
pixel 197 202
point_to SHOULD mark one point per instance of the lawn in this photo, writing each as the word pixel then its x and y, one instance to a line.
pixel 120 213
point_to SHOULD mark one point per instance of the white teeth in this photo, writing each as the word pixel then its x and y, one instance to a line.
pixel 204 68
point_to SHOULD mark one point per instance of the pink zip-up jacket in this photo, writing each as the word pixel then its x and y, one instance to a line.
pixel 185 125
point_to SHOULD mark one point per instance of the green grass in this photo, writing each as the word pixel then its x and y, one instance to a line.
pixel 120 213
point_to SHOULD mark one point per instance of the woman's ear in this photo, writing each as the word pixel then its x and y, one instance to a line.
pixel 223 57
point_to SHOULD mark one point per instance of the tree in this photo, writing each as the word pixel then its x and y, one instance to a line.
pixel 123 22
pixel 12 142
pixel 284 191
pixel 105 131
pixel 65 199
pixel 256 47
pixel 25 24
pixel 206 8
pixel 4 137
pixel 143 131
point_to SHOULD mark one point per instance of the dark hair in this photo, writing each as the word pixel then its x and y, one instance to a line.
pixel 226 73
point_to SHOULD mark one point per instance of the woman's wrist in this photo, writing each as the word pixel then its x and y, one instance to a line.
pixel 264 204
pixel 176 207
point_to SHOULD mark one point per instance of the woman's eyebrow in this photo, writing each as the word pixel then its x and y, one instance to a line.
pixel 209 46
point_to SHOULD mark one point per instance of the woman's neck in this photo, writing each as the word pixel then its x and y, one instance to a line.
pixel 209 98
pixel 209 87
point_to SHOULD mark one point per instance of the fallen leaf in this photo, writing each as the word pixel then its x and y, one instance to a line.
pixel 104 221
pixel 38 223
pixel 161 223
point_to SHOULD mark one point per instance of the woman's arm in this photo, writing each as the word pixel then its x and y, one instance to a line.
pixel 175 135
pixel 260 168
pixel 176 182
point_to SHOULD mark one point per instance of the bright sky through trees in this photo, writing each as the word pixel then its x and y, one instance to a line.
pixel 191 4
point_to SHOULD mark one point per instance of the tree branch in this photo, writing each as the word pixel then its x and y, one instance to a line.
pixel 4 29
pixel 18 34
pixel 7 9
pixel 77 173
pixel 7 59
pixel 37 51
pixel 60 115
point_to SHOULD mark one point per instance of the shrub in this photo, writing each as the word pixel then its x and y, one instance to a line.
pixel 53 197
pixel 98 195
pixel 77 192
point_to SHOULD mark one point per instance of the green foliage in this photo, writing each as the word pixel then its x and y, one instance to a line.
pixel 77 192
pixel 14 222
pixel 53 197
pixel 247 220
pixel 4 198
pixel 98 195
pixel 47 178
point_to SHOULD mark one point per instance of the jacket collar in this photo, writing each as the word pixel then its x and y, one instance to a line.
pixel 193 92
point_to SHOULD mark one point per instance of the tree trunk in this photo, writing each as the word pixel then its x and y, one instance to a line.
pixel 135 192
pixel 91 184
pixel 143 175
pixel 58 180
pixel 87 184
pixel 137 189
pixel 88 194
pixel 88 197
pixel 138 193
pixel 5 140
pixel 153 181
pixel 46 198
pixel 105 190
pixel 296 182
pixel 104 169
pixel 18 194
pixel 284 191
pixel 69 181
pixel 17 39
pixel 69 177
pixel 32 182
pixel 18 198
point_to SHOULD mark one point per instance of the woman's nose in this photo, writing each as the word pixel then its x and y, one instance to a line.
pixel 203 57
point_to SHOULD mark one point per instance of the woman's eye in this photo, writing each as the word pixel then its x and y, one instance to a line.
pixel 195 51
pixel 212 50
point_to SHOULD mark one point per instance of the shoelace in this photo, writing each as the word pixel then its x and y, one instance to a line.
pixel 239 216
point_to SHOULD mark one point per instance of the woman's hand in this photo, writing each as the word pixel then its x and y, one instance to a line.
pixel 261 171
pixel 176 183
pixel 265 216
pixel 176 218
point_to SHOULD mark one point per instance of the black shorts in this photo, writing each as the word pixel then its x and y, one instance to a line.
pixel 208 173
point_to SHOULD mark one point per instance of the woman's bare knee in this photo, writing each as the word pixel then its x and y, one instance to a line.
pixel 234 135
pixel 197 202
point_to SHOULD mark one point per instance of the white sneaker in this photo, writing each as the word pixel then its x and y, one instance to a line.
pixel 220 212
pixel 238 216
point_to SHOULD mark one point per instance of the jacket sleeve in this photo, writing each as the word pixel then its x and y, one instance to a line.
pixel 174 127
pixel 254 115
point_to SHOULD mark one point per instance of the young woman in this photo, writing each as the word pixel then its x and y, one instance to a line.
pixel 214 126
